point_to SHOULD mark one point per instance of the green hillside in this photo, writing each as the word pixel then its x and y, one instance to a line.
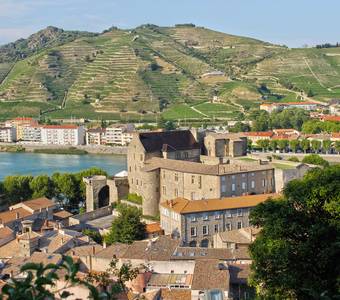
pixel 150 71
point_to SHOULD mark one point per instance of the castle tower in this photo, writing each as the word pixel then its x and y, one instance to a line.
pixel 28 240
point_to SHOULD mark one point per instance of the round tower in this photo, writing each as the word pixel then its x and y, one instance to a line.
pixel 150 193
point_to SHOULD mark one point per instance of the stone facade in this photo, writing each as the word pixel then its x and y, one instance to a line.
pixel 222 145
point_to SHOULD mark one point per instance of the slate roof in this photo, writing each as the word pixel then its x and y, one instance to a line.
pixel 168 140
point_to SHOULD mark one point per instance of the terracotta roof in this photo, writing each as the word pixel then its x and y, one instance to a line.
pixel 11 215
pixel 170 279
pixel 175 294
pixel 85 250
pixel 63 214
pixel 5 232
pixel 154 227
pixel 259 133
pixel 194 253
pixel 201 168
pixel 179 139
pixel 239 236
pixel 38 203
pixel 239 273
pixel 331 118
pixel 70 126
pixel 336 135
pixel 116 250
pixel 28 236
pixel 23 119
pixel 96 130
pixel 159 249
pixel 209 274
pixel 183 206
pixel 299 103
pixel 10 249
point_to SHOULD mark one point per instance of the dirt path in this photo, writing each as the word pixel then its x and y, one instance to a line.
pixel 199 112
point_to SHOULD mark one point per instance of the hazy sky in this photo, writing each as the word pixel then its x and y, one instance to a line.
pixel 290 22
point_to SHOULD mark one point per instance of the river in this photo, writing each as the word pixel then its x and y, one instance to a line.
pixel 34 163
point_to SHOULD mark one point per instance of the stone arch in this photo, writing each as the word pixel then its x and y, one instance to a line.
pixel 205 243
pixel 193 244
pixel 104 196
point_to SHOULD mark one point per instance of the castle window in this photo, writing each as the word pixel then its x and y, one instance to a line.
pixel 205 230
pixel 252 184
pixel 233 187
pixel 163 174
pixel 206 217
pixel 130 169
pixel 131 180
pixel 193 218
pixel 186 154
pixel 217 216
pixel 263 182
pixel 193 231
pixel 216 229
pixel 176 176
pixel 178 155
pixel 239 225
pixel 137 181
pixel 228 227
pixel 176 192
pixel 239 213
pixel 163 190
pixel 199 182
pixel 244 185
pixel 193 179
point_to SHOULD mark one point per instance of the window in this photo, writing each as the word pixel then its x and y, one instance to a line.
pixel 193 231
pixel 130 169
pixel 193 179
pixel 163 174
pixel 263 182
pixel 239 225
pixel 228 214
pixel 178 155
pixel 223 178
pixel 253 174
pixel 243 175
pixel 131 180
pixel 233 187
pixel 239 212
pixel 164 190
pixel 228 226
pixel 199 182
pixel 186 154
pixel 137 181
pixel 193 219
pixel 217 216
pixel 205 230
pixel 205 217
pixel 216 228
pixel 244 185
pixel 176 192
pixel 252 184
pixel 176 176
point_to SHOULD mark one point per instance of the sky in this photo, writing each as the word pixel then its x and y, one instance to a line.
pixel 291 22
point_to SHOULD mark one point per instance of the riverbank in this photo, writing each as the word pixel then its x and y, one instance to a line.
pixel 61 149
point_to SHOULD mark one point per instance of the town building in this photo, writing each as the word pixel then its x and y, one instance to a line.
pixel 8 134
pixel 31 133
pixel 72 135
pixel 236 238
pixel 259 135
pixel 117 134
pixel 166 165
pixel 96 136
pixel 271 107
pixel 196 222
pixel 19 124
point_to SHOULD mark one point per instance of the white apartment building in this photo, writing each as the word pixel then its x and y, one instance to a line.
pixel 119 134
pixel 63 135
pixel 31 133
pixel 96 136
pixel 8 134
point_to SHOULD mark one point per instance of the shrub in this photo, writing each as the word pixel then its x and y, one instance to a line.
pixel 134 198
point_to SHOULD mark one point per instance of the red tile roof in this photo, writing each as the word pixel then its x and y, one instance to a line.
pixel 259 133
pixel 331 118
pixel 60 126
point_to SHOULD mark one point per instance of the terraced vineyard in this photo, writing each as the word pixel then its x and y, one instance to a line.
pixel 151 71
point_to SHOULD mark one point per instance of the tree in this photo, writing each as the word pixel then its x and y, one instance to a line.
pixel 17 188
pixel 294 159
pixel 42 186
pixel 294 145
pixel 127 227
pixel 167 125
pixel 326 145
pixel 67 187
pixel 249 144
pixel 282 144
pixel 263 144
pixel 305 145
pixel 297 253
pixel 315 159
pixel 316 145
pixel 40 282
pixel 337 146
pixel 94 235
pixel 273 145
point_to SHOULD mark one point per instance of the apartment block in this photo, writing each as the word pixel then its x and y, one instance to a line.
pixel 8 134
pixel 119 134
pixel 63 135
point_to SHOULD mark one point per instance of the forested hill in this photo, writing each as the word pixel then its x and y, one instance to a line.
pixel 151 71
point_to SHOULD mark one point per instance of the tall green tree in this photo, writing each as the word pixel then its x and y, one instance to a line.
pixel 282 144
pixel 273 145
pixel 337 146
pixel 263 144
pixel 305 145
pixel 294 145
pixel 127 227
pixel 297 253
pixel 17 188
pixel 316 145
pixel 67 188
pixel 326 145
pixel 42 186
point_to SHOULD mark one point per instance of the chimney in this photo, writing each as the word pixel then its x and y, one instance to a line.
pixel 17 215
pixel 104 244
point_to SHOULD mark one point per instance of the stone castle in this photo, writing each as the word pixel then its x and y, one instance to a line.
pixel 192 165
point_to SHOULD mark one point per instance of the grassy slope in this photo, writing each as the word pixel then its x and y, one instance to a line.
pixel 109 76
